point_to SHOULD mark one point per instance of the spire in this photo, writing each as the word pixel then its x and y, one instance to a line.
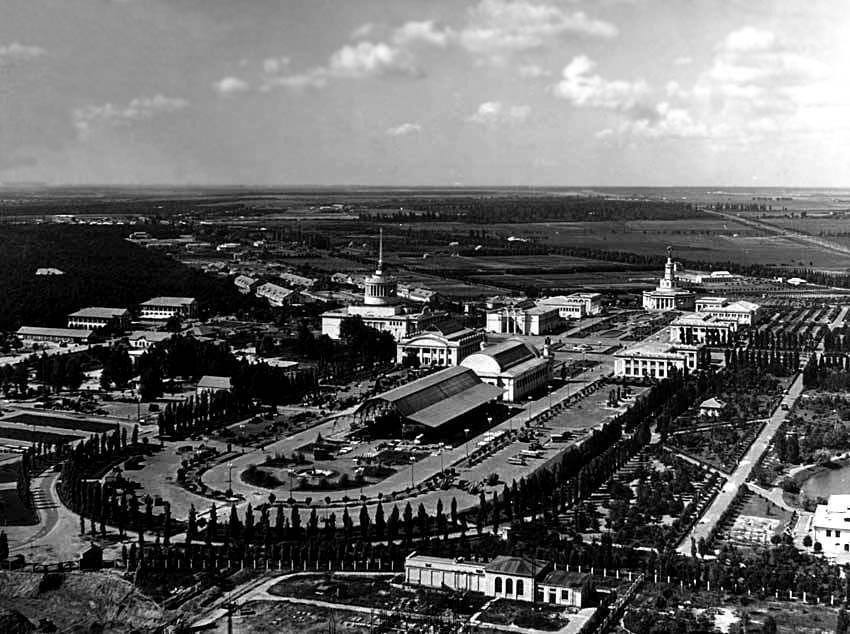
pixel 381 249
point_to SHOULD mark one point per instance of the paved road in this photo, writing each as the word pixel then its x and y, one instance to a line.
pixel 742 472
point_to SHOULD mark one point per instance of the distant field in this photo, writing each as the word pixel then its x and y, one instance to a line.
pixel 56 422
pixel 508 263
pixel 14 433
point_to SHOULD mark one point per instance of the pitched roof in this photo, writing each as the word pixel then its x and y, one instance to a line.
pixel 509 353
pixel 214 382
pixel 440 397
pixel 518 566
pixel 565 579
pixel 71 333
pixel 168 301
pixel 712 403
pixel 99 312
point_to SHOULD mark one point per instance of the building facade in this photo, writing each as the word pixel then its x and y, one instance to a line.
pixel 514 366
pixel 440 346
pixel 667 295
pixel 703 328
pixel 574 306
pixel 381 309
pixel 275 294
pixel 741 312
pixel 516 578
pixel 95 317
pixel 164 308
pixel 515 320
pixel 657 360
pixel 831 525
pixel 55 335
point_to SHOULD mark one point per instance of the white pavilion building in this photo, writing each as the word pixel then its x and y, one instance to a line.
pixel 381 309
pixel 667 295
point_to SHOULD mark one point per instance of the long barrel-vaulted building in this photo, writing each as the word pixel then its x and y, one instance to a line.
pixel 430 403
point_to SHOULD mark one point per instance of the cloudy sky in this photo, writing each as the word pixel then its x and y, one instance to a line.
pixel 430 92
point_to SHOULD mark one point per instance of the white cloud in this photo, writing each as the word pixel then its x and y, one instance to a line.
pixel 683 60
pixel 367 59
pixel 138 109
pixel 230 85
pixel 272 65
pixel 494 113
pixel 20 52
pixel 424 31
pixel 313 78
pixel 533 71
pixel 581 88
pixel 364 30
pixel 500 27
pixel 749 39
pixel 404 129
pixel 665 122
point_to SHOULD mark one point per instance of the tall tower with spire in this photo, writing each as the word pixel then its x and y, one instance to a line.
pixel 380 289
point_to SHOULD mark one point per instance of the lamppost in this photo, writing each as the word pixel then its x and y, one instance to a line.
pixel 549 387
pixel 289 472
pixel 442 468
pixel 230 478
pixel 466 433
pixel 412 462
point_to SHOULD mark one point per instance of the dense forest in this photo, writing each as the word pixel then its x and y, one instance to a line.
pixel 100 269
pixel 521 209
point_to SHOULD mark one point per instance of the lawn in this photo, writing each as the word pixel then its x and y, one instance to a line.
pixel 537 616
pixel 14 433
pixel 39 420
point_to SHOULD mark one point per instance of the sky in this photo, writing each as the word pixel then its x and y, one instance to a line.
pixel 426 92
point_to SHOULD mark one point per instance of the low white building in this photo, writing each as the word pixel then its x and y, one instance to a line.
pixel 164 308
pixel 657 360
pixel 275 294
pixel 515 320
pixel 742 312
pixel 514 366
pixel 210 383
pixel 443 345
pixel 505 577
pixel 704 328
pixel 440 572
pixel 55 335
pixel 144 339
pixel 245 283
pixel 94 317
pixel 711 408
pixel 831 525
pixel 574 306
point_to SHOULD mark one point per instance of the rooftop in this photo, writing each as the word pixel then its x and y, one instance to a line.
pixel 168 301
pixel 54 332
pixel 100 312
pixel 508 353
pixel 518 566
pixel 439 397
pixel 151 335
pixel 712 403
pixel 657 349
pixel 214 382
pixel 565 579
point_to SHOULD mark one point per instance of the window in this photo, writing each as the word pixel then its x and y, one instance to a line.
pixel 828 533
pixel 509 586
pixel 497 588
pixel 520 590
pixel 565 596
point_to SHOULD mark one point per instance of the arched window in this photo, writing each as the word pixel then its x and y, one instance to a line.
pixel 520 590
pixel 498 585
pixel 509 586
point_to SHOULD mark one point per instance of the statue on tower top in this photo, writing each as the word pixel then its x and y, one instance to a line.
pixel 669 252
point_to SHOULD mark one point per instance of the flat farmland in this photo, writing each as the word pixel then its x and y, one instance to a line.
pixel 599 280
pixel 38 420
pixel 15 433
pixel 509 263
